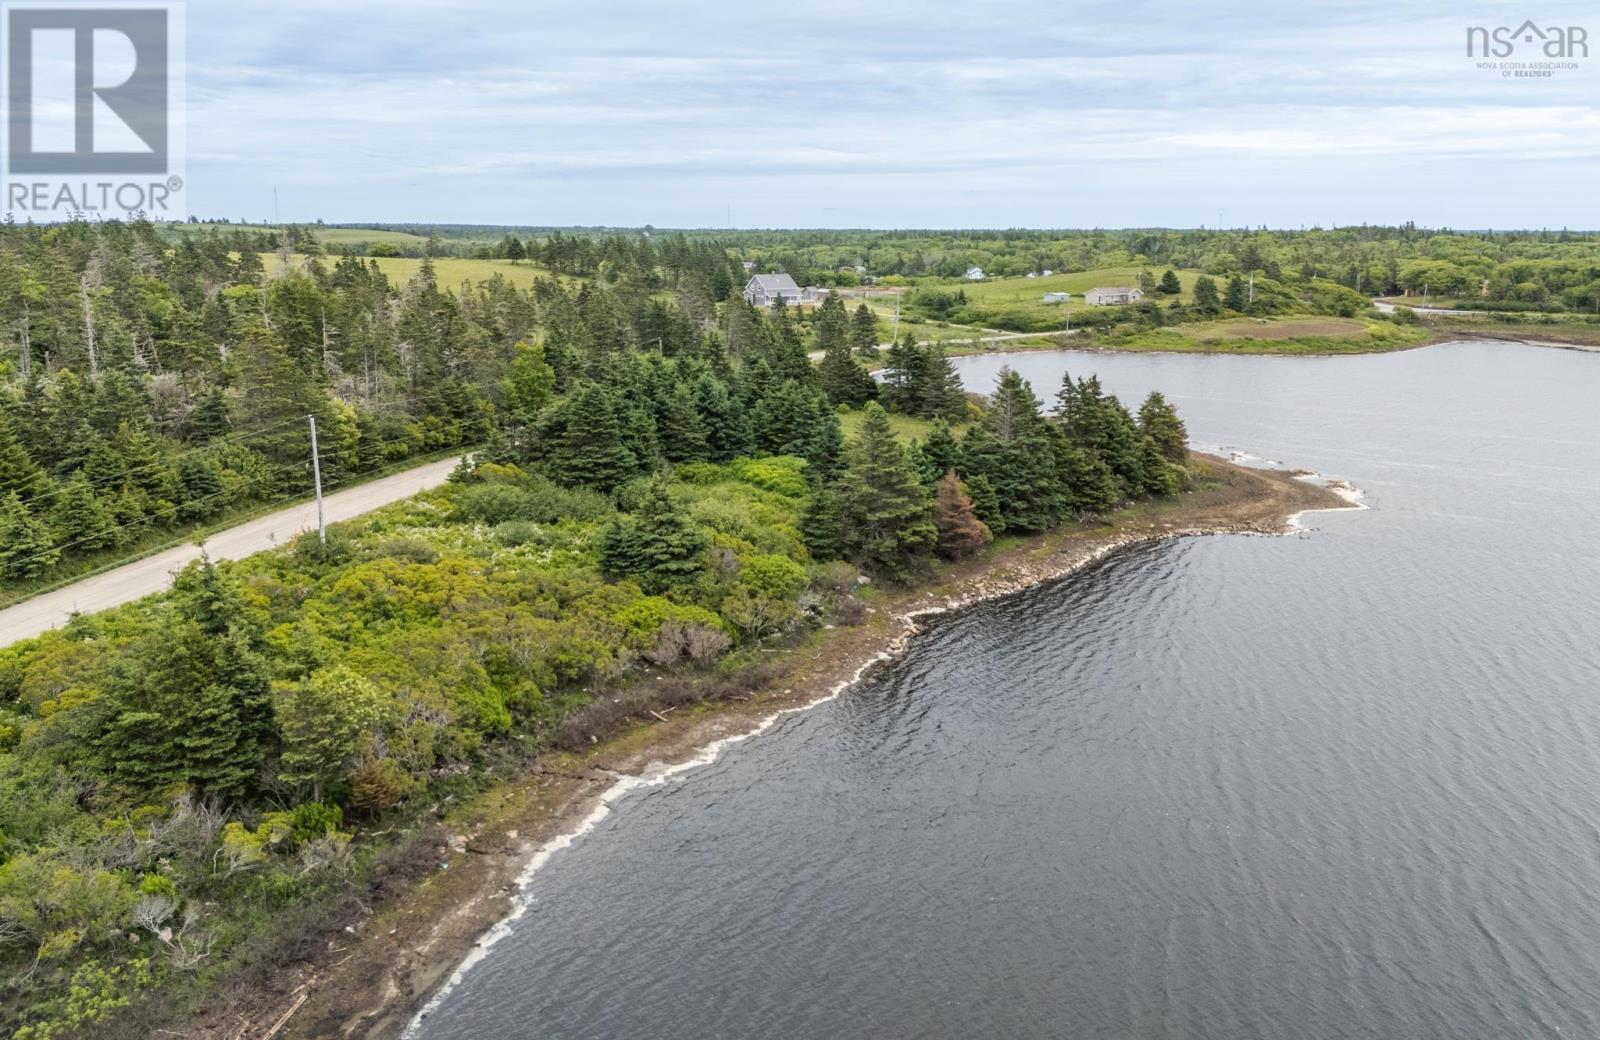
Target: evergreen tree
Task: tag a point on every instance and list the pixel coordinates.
(982, 460)
(938, 389)
(664, 549)
(727, 431)
(1206, 299)
(19, 474)
(902, 371)
(1169, 285)
(191, 704)
(940, 453)
(820, 524)
(582, 440)
(961, 533)
(679, 428)
(842, 378)
(201, 487)
(515, 250)
(1159, 421)
(1161, 477)
(78, 518)
(1024, 477)
(885, 513)
(1236, 298)
(26, 548)
(864, 333)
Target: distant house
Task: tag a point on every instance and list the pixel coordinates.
(763, 290)
(1033, 274)
(1057, 297)
(1115, 294)
(813, 294)
(748, 265)
(1046, 273)
(974, 274)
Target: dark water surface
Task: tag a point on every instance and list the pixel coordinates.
(1337, 785)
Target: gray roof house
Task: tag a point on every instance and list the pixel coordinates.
(763, 290)
(1098, 297)
(1057, 297)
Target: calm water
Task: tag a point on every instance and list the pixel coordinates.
(1338, 785)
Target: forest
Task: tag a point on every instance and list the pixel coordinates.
(658, 483)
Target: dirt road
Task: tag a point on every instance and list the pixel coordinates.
(154, 573)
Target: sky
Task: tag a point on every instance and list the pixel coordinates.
(885, 114)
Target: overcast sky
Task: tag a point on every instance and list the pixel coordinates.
(883, 114)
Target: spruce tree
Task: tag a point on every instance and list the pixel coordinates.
(672, 549)
(864, 333)
(1236, 298)
(727, 430)
(27, 549)
(191, 703)
(1206, 299)
(820, 524)
(1025, 476)
(842, 378)
(940, 453)
(961, 533)
(885, 512)
(1169, 286)
(901, 375)
(583, 440)
(679, 428)
(939, 389)
(1159, 421)
(78, 518)
(982, 460)
(19, 474)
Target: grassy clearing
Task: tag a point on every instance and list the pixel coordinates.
(1293, 335)
(1554, 328)
(1277, 328)
(450, 271)
(1029, 292)
(325, 235)
(906, 427)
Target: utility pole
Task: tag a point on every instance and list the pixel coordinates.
(894, 336)
(1252, 287)
(316, 474)
(1066, 309)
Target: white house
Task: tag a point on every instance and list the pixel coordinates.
(1057, 297)
(763, 290)
(1098, 297)
(813, 294)
(974, 274)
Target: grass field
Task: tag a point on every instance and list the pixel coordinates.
(450, 271)
(1017, 304)
(325, 235)
(1289, 335)
(906, 427)
(1029, 292)
(1276, 328)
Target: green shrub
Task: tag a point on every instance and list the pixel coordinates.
(777, 576)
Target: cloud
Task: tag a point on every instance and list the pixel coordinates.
(645, 112)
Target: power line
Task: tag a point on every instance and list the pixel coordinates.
(210, 445)
(175, 507)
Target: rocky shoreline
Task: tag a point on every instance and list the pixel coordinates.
(374, 976)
